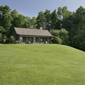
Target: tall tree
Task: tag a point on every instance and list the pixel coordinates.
(54, 19)
(80, 18)
(63, 14)
(33, 22)
(79, 40)
(75, 23)
(14, 15)
(5, 19)
(47, 19)
(20, 20)
(40, 20)
(27, 22)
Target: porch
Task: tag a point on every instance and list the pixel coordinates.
(34, 40)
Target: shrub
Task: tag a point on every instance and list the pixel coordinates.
(57, 40)
(17, 42)
(7, 41)
(62, 34)
(11, 39)
(0, 37)
(55, 32)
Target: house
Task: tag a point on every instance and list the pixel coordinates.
(26, 35)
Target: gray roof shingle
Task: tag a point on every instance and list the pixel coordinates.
(32, 32)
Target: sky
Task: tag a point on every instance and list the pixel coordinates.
(31, 8)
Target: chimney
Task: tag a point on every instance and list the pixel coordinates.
(40, 28)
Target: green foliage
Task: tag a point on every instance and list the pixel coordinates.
(57, 40)
(0, 37)
(47, 15)
(27, 22)
(79, 40)
(40, 20)
(62, 34)
(10, 40)
(5, 19)
(7, 41)
(33, 22)
(20, 20)
(2, 30)
(54, 19)
(14, 14)
(55, 32)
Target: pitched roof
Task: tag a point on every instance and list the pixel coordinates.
(32, 32)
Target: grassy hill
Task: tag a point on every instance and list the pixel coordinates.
(41, 64)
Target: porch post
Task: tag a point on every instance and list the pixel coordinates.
(39, 39)
(30, 39)
(44, 40)
(20, 39)
(48, 39)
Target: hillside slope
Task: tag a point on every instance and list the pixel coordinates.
(41, 64)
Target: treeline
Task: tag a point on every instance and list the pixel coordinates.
(71, 22)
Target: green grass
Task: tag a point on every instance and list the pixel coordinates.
(41, 64)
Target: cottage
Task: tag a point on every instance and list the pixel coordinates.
(26, 35)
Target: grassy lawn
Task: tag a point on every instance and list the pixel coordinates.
(41, 64)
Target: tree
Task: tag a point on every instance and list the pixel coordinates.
(63, 15)
(14, 15)
(27, 22)
(5, 19)
(55, 32)
(75, 23)
(54, 19)
(2, 32)
(40, 20)
(33, 22)
(80, 40)
(20, 20)
(30, 23)
(0, 37)
(47, 15)
(80, 18)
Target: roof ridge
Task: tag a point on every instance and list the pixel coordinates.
(30, 28)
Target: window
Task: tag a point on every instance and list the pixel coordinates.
(24, 39)
(37, 39)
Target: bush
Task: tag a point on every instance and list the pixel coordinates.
(17, 42)
(7, 41)
(57, 40)
(10, 40)
(62, 34)
(55, 32)
(0, 37)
